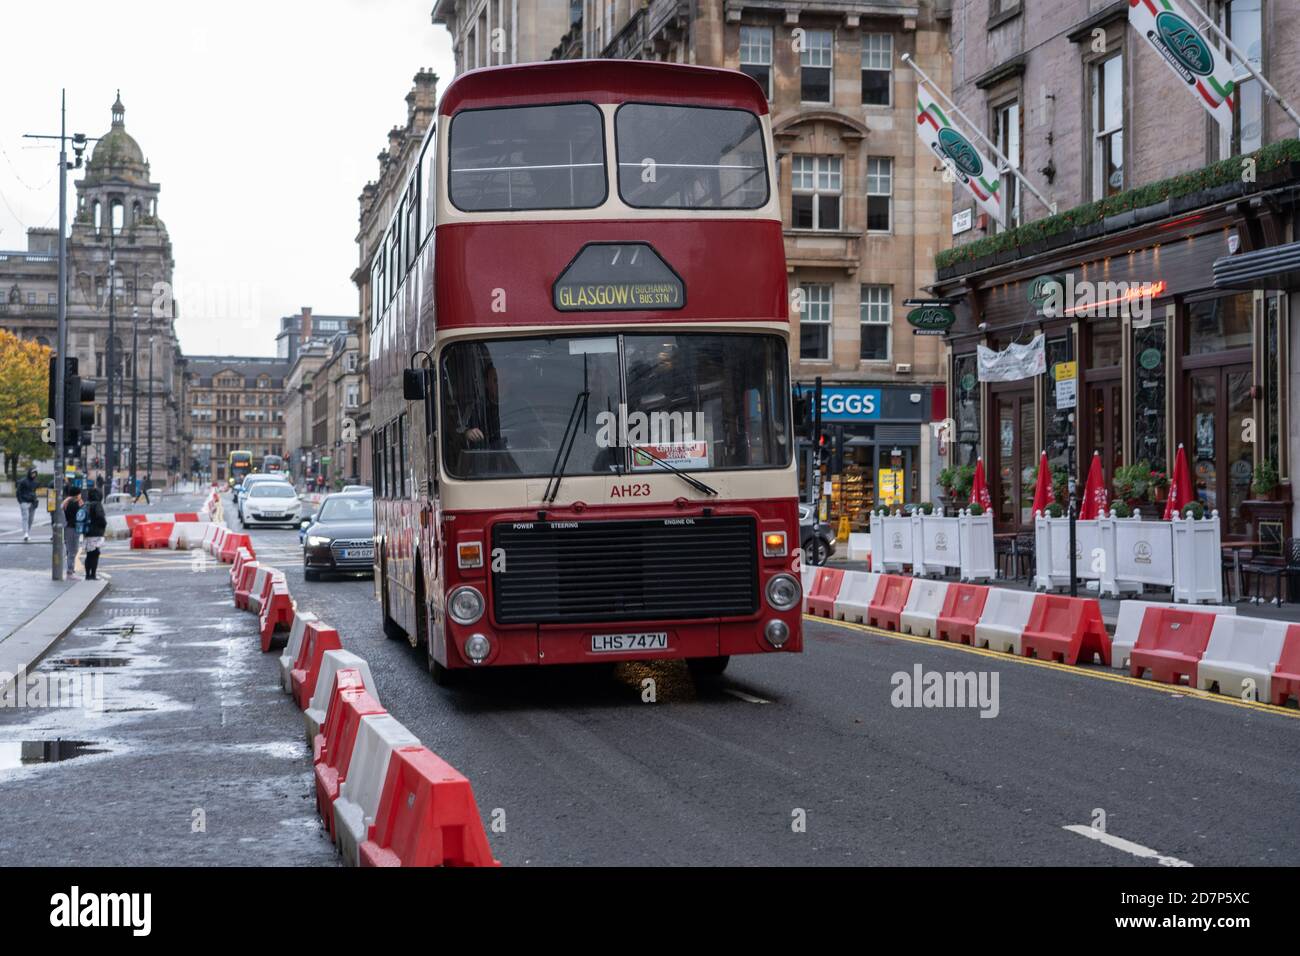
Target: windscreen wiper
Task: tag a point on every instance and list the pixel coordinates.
(566, 446)
(689, 479)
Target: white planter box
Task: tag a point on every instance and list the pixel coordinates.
(1197, 559)
(975, 540)
(937, 542)
(895, 544)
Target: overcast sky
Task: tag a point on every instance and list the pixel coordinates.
(261, 121)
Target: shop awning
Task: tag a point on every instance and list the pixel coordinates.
(1277, 267)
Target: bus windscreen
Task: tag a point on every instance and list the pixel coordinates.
(698, 402)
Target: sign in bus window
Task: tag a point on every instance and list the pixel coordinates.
(690, 157)
(527, 157)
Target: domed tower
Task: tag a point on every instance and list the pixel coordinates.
(117, 212)
(116, 188)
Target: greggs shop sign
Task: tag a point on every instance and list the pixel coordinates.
(849, 404)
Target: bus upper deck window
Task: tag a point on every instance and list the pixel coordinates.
(527, 157)
(690, 157)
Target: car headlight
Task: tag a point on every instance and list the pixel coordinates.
(465, 605)
(317, 540)
(783, 592)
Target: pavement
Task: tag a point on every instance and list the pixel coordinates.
(804, 759)
(37, 611)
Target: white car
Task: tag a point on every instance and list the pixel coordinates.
(270, 502)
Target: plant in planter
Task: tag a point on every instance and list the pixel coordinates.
(1194, 511)
(925, 508)
(1134, 484)
(976, 509)
(1266, 479)
(1121, 509)
(1054, 510)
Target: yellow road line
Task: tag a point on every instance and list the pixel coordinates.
(1116, 678)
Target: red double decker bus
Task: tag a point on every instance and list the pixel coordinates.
(583, 448)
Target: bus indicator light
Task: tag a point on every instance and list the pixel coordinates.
(774, 544)
(469, 555)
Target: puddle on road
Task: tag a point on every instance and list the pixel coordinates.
(67, 663)
(25, 753)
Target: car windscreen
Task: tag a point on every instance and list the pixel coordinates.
(270, 489)
(346, 509)
(690, 157)
(527, 157)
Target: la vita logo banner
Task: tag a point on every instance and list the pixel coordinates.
(1203, 69)
(968, 164)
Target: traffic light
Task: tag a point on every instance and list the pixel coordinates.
(78, 409)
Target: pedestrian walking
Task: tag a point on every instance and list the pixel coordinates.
(113, 485)
(99, 482)
(96, 525)
(74, 516)
(27, 501)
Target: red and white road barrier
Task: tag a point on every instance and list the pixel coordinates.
(1129, 624)
(363, 784)
(1241, 657)
(333, 662)
(384, 799)
(924, 604)
(426, 817)
(151, 534)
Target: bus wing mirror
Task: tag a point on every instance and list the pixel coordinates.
(413, 384)
(802, 411)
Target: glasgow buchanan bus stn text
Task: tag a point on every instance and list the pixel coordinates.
(619, 295)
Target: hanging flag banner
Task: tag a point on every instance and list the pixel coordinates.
(1204, 69)
(968, 164)
(1014, 363)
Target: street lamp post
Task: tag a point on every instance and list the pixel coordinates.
(79, 141)
(149, 460)
(135, 390)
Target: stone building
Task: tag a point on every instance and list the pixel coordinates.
(497, 32)
(115, 213)
(1154, 200)
(865, 206)
(376, 203)
(296, 331)
(233, 403)
(299, 440)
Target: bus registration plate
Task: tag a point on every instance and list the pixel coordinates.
(622, 643)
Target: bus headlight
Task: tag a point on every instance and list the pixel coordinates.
(783, 592)
(465, 605)
(777, 633)
(477, 648)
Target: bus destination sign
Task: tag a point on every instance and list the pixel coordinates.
(618, 276)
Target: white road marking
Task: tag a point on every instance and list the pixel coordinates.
(747, 698)
(1128, 846)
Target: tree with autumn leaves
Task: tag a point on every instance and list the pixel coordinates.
(24, 387)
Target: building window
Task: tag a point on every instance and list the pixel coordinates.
(876, 313)
(353, 397)
(815, 61)
(1107, 92)
(877, 68)
(1243, 24)
(817, 187)
(880, 188)
(756, 56)
(815, 322)
(966, 408)
(1006, 136)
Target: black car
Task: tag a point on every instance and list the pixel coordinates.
(340, 536)
(815, 537)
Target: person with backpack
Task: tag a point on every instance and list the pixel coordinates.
(96, 526)
(27, 501)
(74, 516)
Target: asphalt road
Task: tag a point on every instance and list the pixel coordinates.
(789, 760)
(588, 773)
